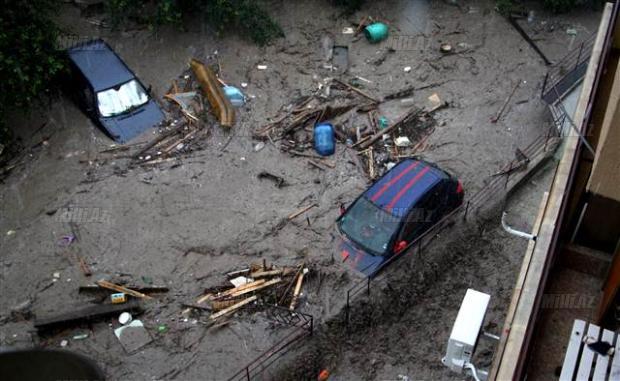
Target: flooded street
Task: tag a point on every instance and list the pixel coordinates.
(186, 224)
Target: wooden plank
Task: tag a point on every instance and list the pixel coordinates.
(233, 308)
(222, 108)
(587, 356)
(124, 290)
(259, 287)
(409, 115)
(602, 362)
(572, 352)
(240, 288)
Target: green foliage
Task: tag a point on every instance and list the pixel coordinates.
(559, 6)
(29, 61)
(244, 16)
(349, 5)
(504, 6)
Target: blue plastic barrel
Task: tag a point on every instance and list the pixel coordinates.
(324, 142)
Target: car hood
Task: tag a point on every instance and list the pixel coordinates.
(125, 127)
(358, 259)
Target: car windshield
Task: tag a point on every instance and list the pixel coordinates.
(369, 226)
(121, 99)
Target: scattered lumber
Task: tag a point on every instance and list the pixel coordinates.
(233, 308)
(142, 289)
(124, 290)
(300, 279)
(224, 111)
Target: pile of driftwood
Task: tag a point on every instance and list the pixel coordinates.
(256, 285)
(357, 124)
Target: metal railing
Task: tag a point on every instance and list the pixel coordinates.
(564, 74)
(303, 325)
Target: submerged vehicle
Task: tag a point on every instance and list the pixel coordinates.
(394, 211)
(109, 92)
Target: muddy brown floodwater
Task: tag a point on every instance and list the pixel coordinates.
(185, 225)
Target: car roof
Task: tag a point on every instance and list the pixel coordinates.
(399, 190)
(100, 64)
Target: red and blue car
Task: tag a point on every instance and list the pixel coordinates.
(398, 208)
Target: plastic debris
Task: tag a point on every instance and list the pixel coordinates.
(407, 69)
(66, 240)
(234, 95)
(240, 280)
(125, 318)
(402, 141)
(261, 67)
(376, 32)
(133, 336)
(118, 298)
(348, 30)
(259, 146)
(383, 122)
(571, 31)
(64, 343)
(81, 336)
(10, 232)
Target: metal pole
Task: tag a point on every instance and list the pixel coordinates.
(346, 312)
(466, 210)
(247, 373)
(542, 92)
(368, 287)
(579, 56)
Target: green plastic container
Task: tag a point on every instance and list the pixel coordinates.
(376, 32)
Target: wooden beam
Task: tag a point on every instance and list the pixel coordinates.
(233, 308)
(256, 288)
(124, 290)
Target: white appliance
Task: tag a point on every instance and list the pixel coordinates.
(465, 332)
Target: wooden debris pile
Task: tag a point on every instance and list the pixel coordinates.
(185, 109)
(256, 285)
(357, 123)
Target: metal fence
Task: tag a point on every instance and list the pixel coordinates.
(302, 324)
(567, 72)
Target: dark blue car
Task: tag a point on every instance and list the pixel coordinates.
(393, 212)
(110, 93)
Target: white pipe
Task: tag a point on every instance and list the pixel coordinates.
(474, 372)
(512, 231)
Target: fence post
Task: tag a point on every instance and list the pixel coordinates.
(346, 310)
(466, 210)
(544, 86)
(247, 373)
(579, 55)
(368, 288)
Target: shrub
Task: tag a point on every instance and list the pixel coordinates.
(245, 16)
(29, 60)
